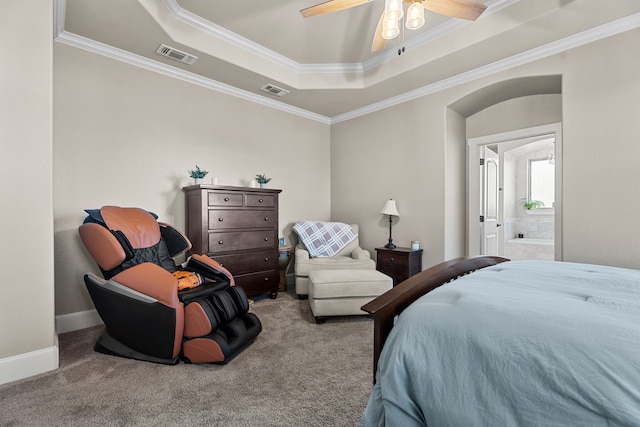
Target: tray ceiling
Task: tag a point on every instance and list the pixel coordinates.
(325, 61)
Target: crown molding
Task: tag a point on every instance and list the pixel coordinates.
(588, 36)
(208, 27)
(576, 40)
(59, 10)
(170, 71)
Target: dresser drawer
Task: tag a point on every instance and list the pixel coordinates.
(258, 283)
(242, 240)
(391, 260)
(229, 219)
(238, 227)
(225, 199)
(248, 262)
(260, 200)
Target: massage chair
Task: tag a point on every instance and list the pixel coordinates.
(152, 309)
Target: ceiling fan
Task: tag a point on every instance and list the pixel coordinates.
(388, 27)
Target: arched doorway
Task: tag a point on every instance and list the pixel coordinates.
(526, 115)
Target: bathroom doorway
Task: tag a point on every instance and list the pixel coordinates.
(514, 194)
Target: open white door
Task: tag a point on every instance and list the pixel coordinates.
(490, 202)
(485, 198)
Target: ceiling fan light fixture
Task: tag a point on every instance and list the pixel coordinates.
(390, 29)
(393, 10)
(415, 16)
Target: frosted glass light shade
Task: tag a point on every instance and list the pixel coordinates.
(415, 16)
(390, 29)
(393, 10)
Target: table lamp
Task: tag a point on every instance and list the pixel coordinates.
(391, 210)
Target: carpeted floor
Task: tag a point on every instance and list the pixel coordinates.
(296, 373)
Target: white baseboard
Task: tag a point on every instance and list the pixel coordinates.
(78, 320)
(25, 365)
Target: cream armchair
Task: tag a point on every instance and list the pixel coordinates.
(351, 257)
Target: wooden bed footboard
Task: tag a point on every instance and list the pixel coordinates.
(387, 306)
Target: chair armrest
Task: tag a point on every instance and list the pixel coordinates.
(360, 253)
(209, 268)
(152, 280)
(301, 254)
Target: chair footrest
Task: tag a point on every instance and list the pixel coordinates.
(224, 343)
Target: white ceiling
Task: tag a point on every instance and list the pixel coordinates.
(325, 61)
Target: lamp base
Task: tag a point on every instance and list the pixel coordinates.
(390, 245)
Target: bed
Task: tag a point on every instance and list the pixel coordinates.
(518, 343)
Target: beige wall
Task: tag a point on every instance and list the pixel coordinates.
(402, 153)
(454, 235)
(381, 156)
(127, 136)
(601, 149)
(26, 217)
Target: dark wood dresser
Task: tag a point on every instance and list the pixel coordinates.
(238, 227)
(399, 263)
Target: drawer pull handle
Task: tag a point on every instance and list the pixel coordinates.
(392, 259)
(220, 242)
(266, 239)
(266, 218)
(220, 219)
(266, 259)
(266, 279)
(226, 199)
(260, 200)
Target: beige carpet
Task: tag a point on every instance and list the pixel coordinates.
(296, 373)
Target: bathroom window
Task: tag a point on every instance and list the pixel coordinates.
(542, 181)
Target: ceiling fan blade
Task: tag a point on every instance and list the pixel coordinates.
(331, 6)
(463, 9)
(378, 41)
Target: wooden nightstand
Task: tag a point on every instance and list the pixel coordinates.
(399, 263)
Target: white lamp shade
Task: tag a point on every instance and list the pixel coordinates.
(390, 29)
(393, 10)
(390, 208)
(415, 16)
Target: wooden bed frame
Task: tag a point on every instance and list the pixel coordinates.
(387, 306)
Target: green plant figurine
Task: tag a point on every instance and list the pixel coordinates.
(262, 179)
(198, 173)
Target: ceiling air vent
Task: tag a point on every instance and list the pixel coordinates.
(274, 90)
(176, 54)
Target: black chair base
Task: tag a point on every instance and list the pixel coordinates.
(106, 344)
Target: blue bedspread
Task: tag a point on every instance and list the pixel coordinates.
(522, 343)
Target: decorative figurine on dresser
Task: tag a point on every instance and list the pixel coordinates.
(238, 227)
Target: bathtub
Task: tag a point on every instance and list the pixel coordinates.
(529, 248)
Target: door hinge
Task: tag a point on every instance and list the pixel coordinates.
(481, 218)
(481, 162)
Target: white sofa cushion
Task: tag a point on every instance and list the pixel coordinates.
(347, 283)
(334, 263)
